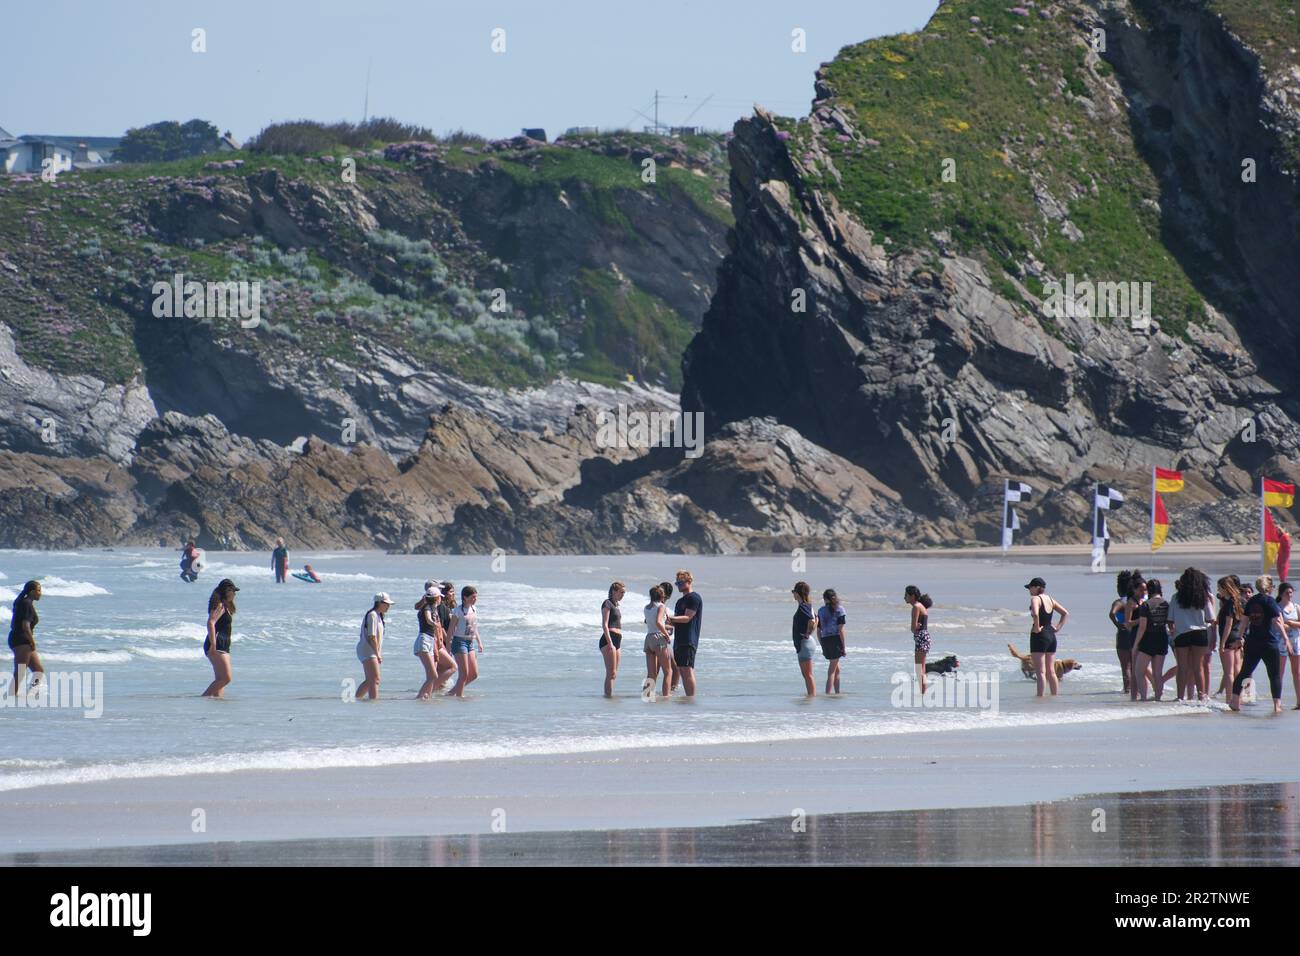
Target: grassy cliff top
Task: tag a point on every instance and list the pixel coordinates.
(1013, 100)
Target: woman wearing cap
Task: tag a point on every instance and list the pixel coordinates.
(221, 614)
(1042, 635)
(464, 629)
(370, 647)
(431, 644)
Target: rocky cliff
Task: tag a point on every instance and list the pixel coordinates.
(887, 293)
(1048, 242)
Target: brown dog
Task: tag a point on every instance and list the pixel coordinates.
(1063, 666)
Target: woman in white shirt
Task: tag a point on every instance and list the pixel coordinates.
(370, 648)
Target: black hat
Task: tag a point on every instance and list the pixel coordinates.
(1036, 583)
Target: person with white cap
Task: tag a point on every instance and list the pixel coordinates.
(431, 643)
(370, 647)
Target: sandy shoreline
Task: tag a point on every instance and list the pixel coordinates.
(691, 786)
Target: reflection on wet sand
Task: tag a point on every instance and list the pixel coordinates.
(1231, 825)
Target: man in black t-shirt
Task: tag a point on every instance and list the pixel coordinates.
(686, 620)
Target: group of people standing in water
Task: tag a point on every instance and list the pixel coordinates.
(1245, 625)
(1250, 626)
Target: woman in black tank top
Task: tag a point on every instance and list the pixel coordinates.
(1152, 643)
(1042, 635)
(221, 613)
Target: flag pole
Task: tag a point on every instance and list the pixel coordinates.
(1263, 545)
(1006, 486)
(1153, 507)
(1095, 486)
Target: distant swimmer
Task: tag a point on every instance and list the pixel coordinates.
(307, 574)
(191, 562)
(801, 630)
(611, 634)
(920, 628)
(830, 632)
(221, 615)
(280, 561)
(1042, 635)
(431, 644)
(22, 638)
(370, 648)
(464, 631)
(658, 659)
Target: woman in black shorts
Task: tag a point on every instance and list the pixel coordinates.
(221, 613)
(22, 638)
(1042, 635)
(1152, 643)
(611, 634)
(830, 631)
(1192, 615)
(1229, 625)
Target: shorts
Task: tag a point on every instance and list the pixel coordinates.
(1044, 642)
(426, 644)
(365, 652)
(13, 644)
(618, 641)
(223, 644)
(1232, 644)
(1153, 645)
(1199, 638)
(1124, 639)
(832, 648)
(462, 645)
(654, 643)
(684, 654)
(922, 640)
(806, 649)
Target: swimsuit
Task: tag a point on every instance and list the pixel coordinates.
(922, 636)
(1044, 642)
(615, 624)
(223, 635)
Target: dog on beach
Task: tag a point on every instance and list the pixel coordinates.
(1063, 666)
(944, 665)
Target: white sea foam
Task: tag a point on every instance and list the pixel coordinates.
(53, 586)
(893, 722)
(167, 653)
(83, 657)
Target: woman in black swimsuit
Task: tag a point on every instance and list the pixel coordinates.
(22, 638)
(221, 613)
(1042, 635)
(611, 634)
(920, 604)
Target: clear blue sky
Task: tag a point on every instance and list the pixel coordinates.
(97, 67)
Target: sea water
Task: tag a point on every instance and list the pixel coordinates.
(127, 615)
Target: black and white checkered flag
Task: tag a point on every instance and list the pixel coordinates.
(1018, 491)
(1108, 499)
(1100, 533)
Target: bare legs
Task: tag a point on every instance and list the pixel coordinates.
(26, 659)
(467, 664)
(1125, 656)
(806, 669)
(370, 686)
(611, 655)
(833, 676)
(920, 669)
(1045, 672)
(221, 673)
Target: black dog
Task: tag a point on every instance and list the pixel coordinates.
(944, 665)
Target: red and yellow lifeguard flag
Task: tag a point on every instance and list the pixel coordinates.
(1159, 523)
(1168, 481)
(1278, 494)
(1271, 540)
